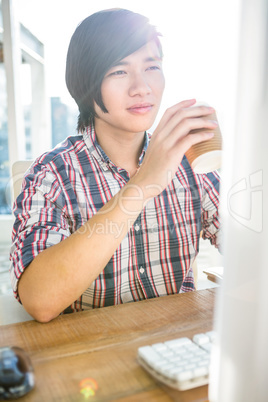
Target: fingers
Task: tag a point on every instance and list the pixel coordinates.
(192, 126)
(192, 139)
(174, 135)
(171, 111)
(184, 117)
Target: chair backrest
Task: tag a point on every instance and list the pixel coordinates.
(18, 170)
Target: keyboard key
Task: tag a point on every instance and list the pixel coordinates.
(207, 347)
(201, 339)
(148, 354)
(212, 336)
(159, 347)
(176, 343)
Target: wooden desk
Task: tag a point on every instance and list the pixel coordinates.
(102, 344)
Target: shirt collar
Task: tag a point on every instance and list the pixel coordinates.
(98, 153)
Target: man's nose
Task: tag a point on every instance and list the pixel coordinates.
(139, 85)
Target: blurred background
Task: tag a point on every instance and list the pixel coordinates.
(200, 42)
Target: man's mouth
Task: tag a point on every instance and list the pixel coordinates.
(140, 108)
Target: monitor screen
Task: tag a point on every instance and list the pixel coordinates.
(240, 359)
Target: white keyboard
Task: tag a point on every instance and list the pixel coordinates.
(180, 363)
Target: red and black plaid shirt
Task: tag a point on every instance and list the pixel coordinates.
(68, 185)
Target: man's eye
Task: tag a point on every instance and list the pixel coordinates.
(118, 72)
(153, 68)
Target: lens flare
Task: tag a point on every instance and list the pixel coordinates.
(88, 387)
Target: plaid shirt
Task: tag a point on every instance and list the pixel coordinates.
(68, 185)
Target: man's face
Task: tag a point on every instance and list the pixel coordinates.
(132, 92)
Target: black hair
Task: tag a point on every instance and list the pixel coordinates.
(98, 43)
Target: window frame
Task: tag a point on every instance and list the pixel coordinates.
(20, 44)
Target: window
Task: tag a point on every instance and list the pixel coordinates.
(4, 160)
(42, 121)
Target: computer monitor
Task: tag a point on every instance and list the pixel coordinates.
(240, 359)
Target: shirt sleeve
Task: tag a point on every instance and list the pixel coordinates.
(210, 218)
(40, 219)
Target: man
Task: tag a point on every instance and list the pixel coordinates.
(113, 215)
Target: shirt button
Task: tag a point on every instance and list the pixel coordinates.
(137, 227)
(141, 270)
